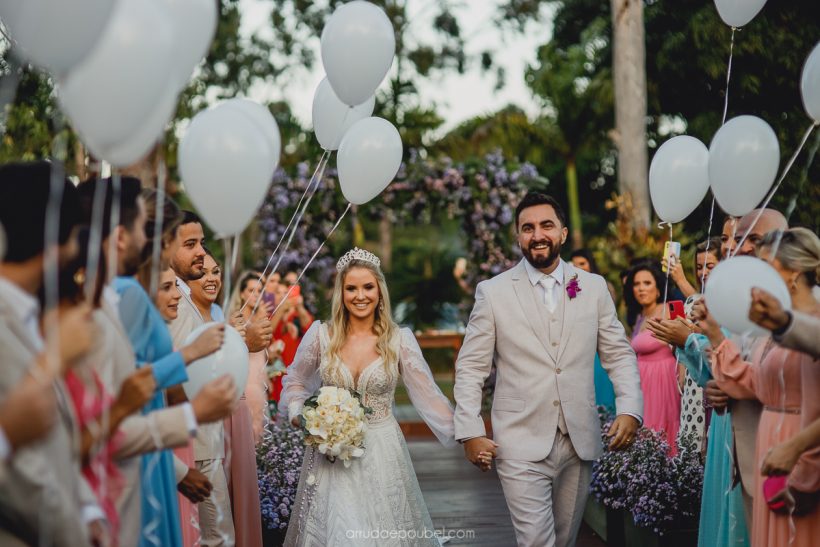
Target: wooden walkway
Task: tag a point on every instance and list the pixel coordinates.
(466, 503)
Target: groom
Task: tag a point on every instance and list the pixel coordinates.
(541, 323)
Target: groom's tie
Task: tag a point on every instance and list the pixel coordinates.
(548, 282)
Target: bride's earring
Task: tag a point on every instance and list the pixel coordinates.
(381, 306)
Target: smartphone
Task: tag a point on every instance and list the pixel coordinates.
(670, 248)
(295, 291)
(269, 298)
(676, 309)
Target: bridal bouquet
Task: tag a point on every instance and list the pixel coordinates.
(334, 422)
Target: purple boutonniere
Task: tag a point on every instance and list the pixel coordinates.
(573, 288)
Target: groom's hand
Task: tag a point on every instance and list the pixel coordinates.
(622, 431)
(477, 449)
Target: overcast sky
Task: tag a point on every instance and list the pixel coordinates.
(457, 97)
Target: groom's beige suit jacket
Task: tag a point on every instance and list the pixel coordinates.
(543, 366)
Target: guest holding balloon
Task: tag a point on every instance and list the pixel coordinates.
(661, 376)
(240, 446)
(152, 343)
(604, 392)
(246, 295)
(773, 376)
(722, 517)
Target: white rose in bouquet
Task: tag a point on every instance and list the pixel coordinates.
(334, 422)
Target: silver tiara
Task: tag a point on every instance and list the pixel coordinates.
(357, 254)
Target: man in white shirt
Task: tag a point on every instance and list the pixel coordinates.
(43, 499)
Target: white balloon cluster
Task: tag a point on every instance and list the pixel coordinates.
(118, 88)
(358, 46)
(227, 158)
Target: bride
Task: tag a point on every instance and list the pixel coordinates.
(377, 500)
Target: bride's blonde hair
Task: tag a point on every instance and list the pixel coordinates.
(383, 325)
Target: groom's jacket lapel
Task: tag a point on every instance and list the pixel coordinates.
(529, 304)
(570, 309)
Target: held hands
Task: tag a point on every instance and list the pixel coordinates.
(480, 451)
(767, 312)
(622, 432)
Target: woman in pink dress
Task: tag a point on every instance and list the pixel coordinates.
(240, 446)
(661, 376)
(773, 376)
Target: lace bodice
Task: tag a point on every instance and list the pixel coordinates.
(376, 383)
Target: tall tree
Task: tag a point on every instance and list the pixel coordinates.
(629, 79)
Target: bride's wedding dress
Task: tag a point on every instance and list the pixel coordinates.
(376, 501)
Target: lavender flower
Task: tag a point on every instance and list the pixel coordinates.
(278, 462)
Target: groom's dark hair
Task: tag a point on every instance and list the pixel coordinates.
(538, 198)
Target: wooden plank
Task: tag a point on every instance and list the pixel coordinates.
(467, 504)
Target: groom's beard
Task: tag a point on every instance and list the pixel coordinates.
(541, 262)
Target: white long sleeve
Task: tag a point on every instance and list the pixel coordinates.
(303, 377)
(431, 404)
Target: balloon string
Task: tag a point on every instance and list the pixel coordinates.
(322, 161)
(321, 246)
(722, 121)
(228, 253)
(668, 271)
(159, 221)
(728, 76)
(313, 185)
(708, 242)
(95, 237)
(777, 185)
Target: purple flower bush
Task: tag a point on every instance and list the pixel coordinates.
(278, 464)
(482, 195)
(661, 492)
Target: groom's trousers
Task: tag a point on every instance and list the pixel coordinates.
(546, 498)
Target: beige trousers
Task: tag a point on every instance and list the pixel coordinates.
(215, 517)
(546, 498)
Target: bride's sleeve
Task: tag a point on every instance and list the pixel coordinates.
(303, 377)
(431, 404)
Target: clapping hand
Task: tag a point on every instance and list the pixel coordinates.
(671, 331)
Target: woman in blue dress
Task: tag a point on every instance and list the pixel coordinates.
(152, 344)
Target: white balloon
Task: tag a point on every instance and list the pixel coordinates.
(729, 292)
(232, 358)
(142, 140)
(679, 177)
(368, 159)
(358, 45)
(225, 164)
(264, 121)
(743, 160)
(332, 118)
(810, 84)
(110, 94)
(736, 13)
(56, 34)
(194, 28)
